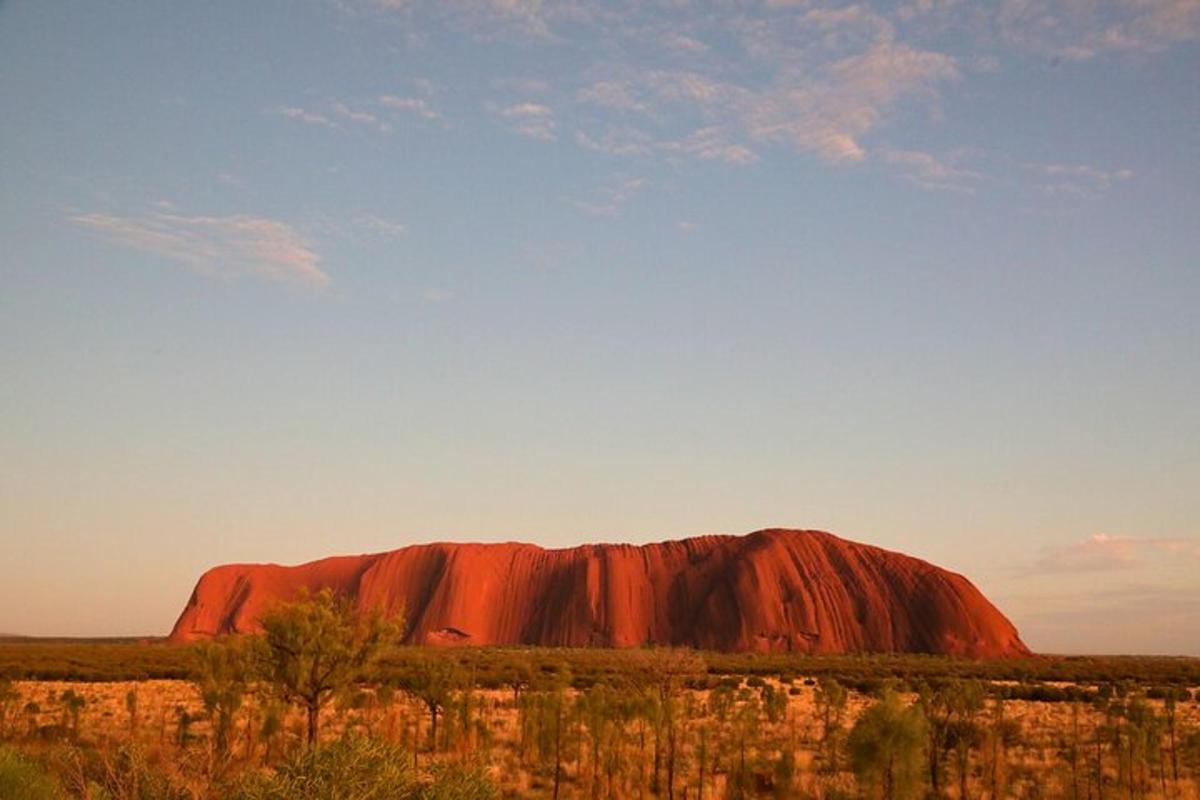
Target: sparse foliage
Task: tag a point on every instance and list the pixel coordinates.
(222, 676)
(316, 646)
(885, 747)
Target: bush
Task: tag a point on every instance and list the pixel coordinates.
(351, 768)
(21, 779)
(458, 782)
(886, 746)
(130, 772)
(357, 768)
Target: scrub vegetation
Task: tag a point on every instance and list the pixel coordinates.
(325, 705)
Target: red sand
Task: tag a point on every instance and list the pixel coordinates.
(805, 591)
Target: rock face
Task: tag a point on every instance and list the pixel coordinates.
(771, 590)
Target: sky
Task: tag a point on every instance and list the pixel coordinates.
(281, 280)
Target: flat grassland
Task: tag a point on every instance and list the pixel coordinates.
(632, 723)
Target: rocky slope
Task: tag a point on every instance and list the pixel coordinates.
(804, 591)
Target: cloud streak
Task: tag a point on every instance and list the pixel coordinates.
(930, 172)
(228, 247)
(378, 114)
(534, 120)
(611, 197)
(1103, 552)
(304, 115)
(737, 83)
(412, 105)
(1080, 31)
(1081, 180)
(818, 82)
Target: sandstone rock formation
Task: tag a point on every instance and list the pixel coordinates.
(805, 591)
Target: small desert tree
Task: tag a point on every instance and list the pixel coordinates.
(1189, 752)
(596, 706)
(131, 707)
(72, 705)
(885, 748)
(9, 699)
(1170, 718)
(32, 710)
(316, 646)
(665, 672)
(1143, 740)
(950, 708)
(831, 698)
(433, 681)
(271, 728)
(222, 671)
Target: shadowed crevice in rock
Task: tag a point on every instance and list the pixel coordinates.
(778, 590)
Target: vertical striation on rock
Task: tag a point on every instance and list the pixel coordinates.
(772, 590)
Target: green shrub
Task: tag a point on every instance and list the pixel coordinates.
(351, 768)
(459, 782)
(358, 768)
(886, 747)
(22, 779)
(130, 772)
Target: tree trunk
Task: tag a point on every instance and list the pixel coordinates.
(934, 768)
(671, 761)
(641, 758)
(1174, 757)
(657, 758)
(416, 738)
(579, 743)
(557, 747)
(741, 779)
(249, 754)
(595, 765)
(314, 712)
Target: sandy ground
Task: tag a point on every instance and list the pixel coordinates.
(106, 719)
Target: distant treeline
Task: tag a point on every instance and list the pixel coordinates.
(1034, 678)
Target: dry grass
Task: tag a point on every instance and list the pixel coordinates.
(1035, 767)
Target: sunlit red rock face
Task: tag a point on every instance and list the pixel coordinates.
(804, 591)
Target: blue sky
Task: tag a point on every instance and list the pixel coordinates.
(294, 279)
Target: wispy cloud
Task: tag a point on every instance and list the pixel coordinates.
(378, 114)
(683, 44)
(1102, 552)
(930, 172)
(1079, 31)
(832, 116)
(412, 105)
(303, 115)
(611, 94)
(710, 144)
(380, 226)
(1076, 179)
(818, 82)
(1099, 617)
(787, 75)
(618, 140)
(534, 120)
(609, 198)
(227, 247)
(360, 117)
